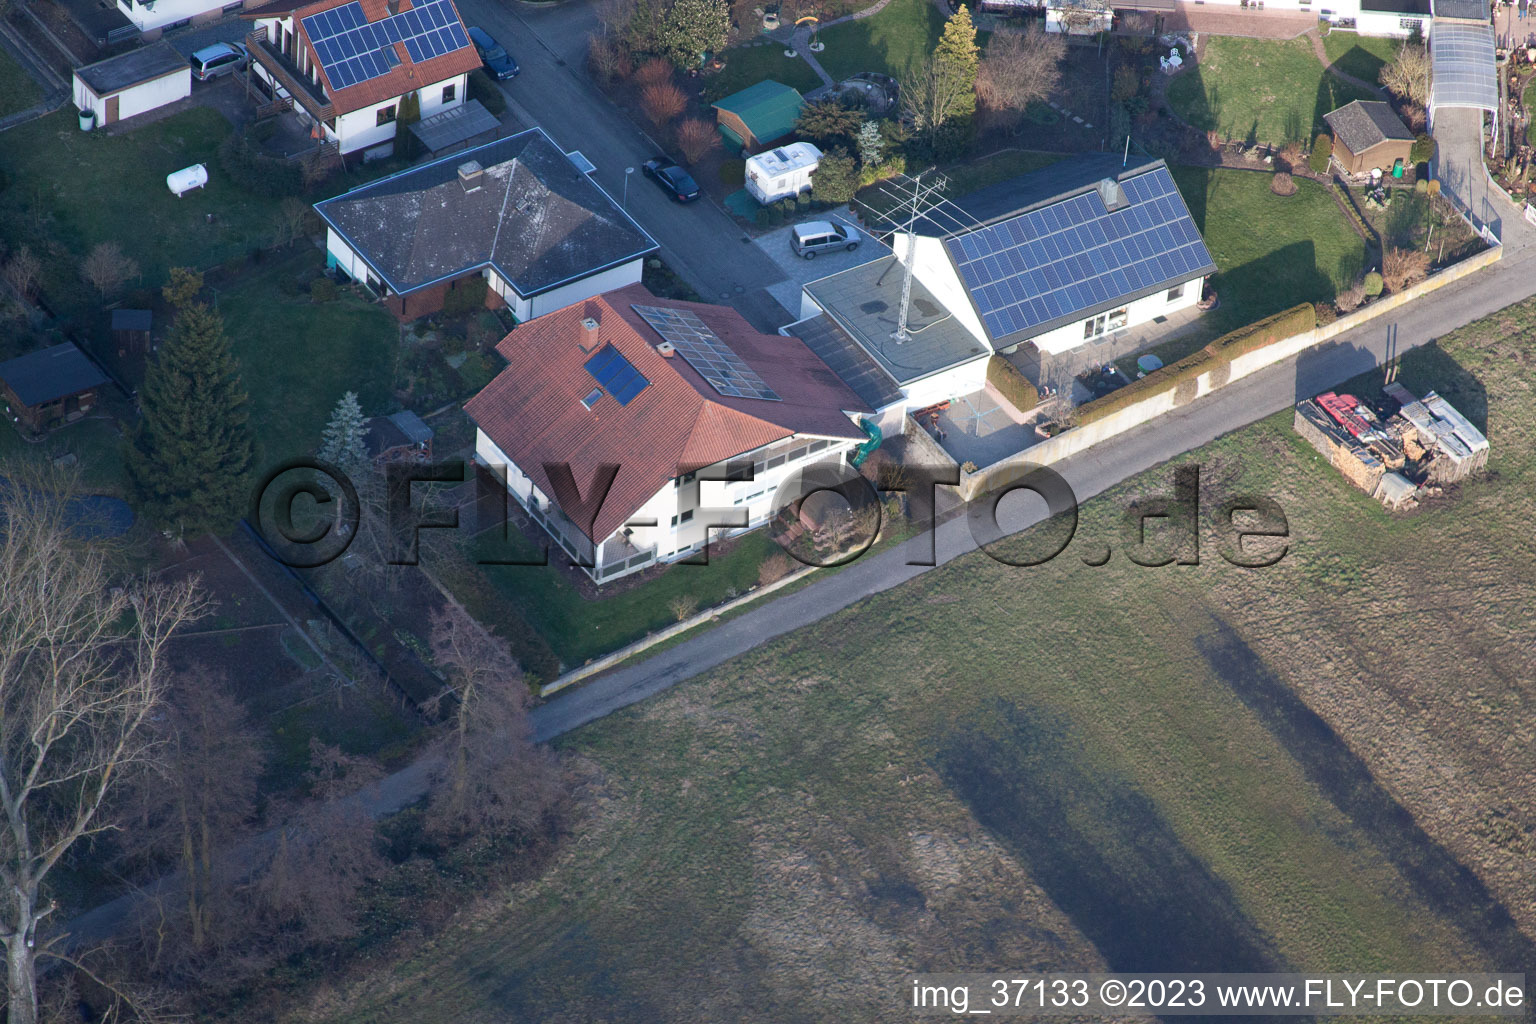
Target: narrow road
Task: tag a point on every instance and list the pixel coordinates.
(698, 240)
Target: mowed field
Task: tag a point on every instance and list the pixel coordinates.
(1324, 765)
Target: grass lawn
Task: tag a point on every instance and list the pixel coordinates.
(577, 629)
(17, 89)
(298, 357)
(1063, 767)
(96, 441)
(748, 65)
(893, 42)
(1272, 251)
(1526, 99)
(1259, 89)
(1361, 56)
(76, 189)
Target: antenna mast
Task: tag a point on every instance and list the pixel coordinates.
(920, 193)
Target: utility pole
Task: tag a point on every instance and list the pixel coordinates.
(914, 195)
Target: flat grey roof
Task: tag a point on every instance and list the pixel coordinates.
(836, 347)
(866, 301)
(133, 68)
(1462, 10)
(533, 215)
(1465, 74)
(454, 125)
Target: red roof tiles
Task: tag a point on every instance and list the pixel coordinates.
(676, 424)
(403, 78)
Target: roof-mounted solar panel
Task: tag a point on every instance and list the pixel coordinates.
(710, 357)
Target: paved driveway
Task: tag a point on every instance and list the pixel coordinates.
(798, 270)
(699, 240)
(1459, 166)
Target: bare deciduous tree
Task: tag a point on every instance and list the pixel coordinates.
(936, 95)
(1083, 17)
(203, 794)
(695, 138)
(1019, 68)
(292, 220)
(607, 57)
(654, 72)
(662, 102)
(323, 853)
(108, 268)
(81, 676)
(1407, 75)
(495, 780)
(22, 271)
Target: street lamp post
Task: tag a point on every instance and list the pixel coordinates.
(625, 201)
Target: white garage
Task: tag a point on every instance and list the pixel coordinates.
(132, 83)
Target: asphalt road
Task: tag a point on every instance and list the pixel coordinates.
(698, 240)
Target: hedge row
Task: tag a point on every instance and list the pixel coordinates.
(1263, 333)
(256, 172)
(1011, 384)
(1216, 358)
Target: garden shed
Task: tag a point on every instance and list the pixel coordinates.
(1368, 135)
(758, 116)
(49, 386)
(133, 83)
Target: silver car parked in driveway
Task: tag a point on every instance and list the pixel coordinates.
(816, 236)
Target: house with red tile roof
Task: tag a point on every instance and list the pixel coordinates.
(634, 428)
(347, 64)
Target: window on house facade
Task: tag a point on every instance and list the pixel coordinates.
(1104, 323)
(449, 92)
(1175, 293)
(684, 480)
(386, 115)
(683, 517)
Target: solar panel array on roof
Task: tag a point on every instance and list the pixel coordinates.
(1067, 257)
(615, 374)
(714, 360)
(351, 50)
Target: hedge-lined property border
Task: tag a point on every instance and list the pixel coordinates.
(1180, 377)
(1011, 384)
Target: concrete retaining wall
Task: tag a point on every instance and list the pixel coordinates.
(1072, 441)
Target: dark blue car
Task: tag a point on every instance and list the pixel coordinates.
(493, 55)
(678, 183)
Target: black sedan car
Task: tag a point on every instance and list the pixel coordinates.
(493, 55)
(677, 183)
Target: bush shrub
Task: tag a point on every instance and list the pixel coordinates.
(733, 172)
(466, 296)
(1282, 184)
(1011, 384)
(1373, 285)
(1434, 186)
(1423, 149)
(322, 289)
(255, 171)
(1327, 313)
(1421, 185)
(1322, 151)
(483, 89)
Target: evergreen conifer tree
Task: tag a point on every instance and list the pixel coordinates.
(191, 458)
(344, 442)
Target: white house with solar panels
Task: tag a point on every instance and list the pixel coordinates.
(345, 65)
(1069, 266)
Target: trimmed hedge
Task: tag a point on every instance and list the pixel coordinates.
(1216, 358)
(1322, 150)
(1012, 384)
(1168, 378)
(1264, 332)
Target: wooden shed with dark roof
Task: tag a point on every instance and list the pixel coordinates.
(1367, 134)
(50, 386)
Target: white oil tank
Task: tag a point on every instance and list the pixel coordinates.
(186, 179)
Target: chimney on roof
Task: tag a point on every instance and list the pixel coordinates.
(1112, 195)
(394, 7)
(667, 349)
(470, 173)
(588, 339)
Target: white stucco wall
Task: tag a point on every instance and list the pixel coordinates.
(360, 128)
(172, 12)
(136, 99)
(584, 288)
(933, 267)
(964, 379)
(1141, 311)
